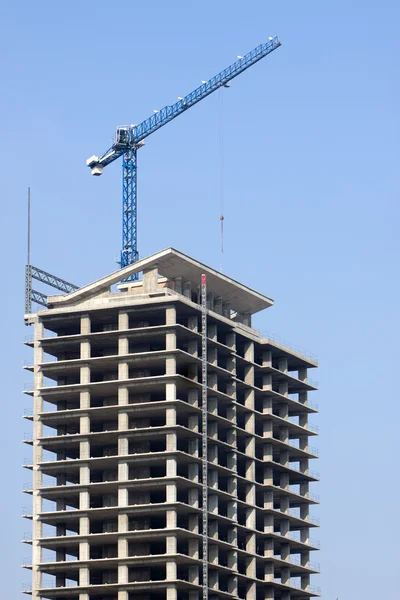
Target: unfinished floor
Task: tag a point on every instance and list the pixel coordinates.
(116, 443)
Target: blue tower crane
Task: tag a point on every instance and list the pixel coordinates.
(130, 138)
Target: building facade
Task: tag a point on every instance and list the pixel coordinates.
(117, 443)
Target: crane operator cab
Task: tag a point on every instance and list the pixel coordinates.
(121, 137)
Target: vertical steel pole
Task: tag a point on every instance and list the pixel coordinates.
(204, 412)
(28, 270)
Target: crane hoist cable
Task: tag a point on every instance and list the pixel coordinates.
(221, 169)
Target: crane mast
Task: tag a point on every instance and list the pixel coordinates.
(130, 138)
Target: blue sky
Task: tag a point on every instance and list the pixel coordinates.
(311, 191)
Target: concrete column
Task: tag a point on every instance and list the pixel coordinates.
(123, 345)
(170, 416)
(267, 358)
(249, 351)
(170, 391)
(193, 347)
(268, 476)
(171, 467)
(283, 388)
(251, 518)
(213, 580)
(303, 374)
(251, 591)
(268, 428)
(193, 397)
(170, 315)
(212, 356)
(123, 320)
(85, 324)
(84, 578)
(171, 493)
(212, 331)
(268, 523)
(85, 374)
(249, 398)
(285, 576)
(303, 397)
(213, 381)
(283, 365)
(150, 280)
(285, 552)
(269, 499)
(171, 593)
(170, 341)
(269, 571)
(267, 383)
(249, 375)
(284, 458)
(123, 370)
(84, 474)
(84, 449)
(85, 349)
(213, 554)
(193, 423)
(84, 551)
(284, 481)
(269, 548)
(193, 323)
(84, 399)
(170, 365)
(233, 585)
(84, 423)
(171, 570)
(285, 527)
(84, 526)
(269, 593)
(171, 441)
(305, 582)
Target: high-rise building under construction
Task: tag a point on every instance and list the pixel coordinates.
(122, 456)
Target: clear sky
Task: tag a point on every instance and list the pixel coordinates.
(311, 188)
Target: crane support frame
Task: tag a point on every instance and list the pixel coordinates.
(53, 281)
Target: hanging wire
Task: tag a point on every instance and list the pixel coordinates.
(221, 167)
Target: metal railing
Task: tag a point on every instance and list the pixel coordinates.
(296, 349)
(314, 589)
(312, 496)
(311, 519)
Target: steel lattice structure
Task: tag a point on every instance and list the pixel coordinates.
(130, 138)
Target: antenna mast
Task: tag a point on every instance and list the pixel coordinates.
(28, 270)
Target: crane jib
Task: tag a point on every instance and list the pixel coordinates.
(166, 114)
